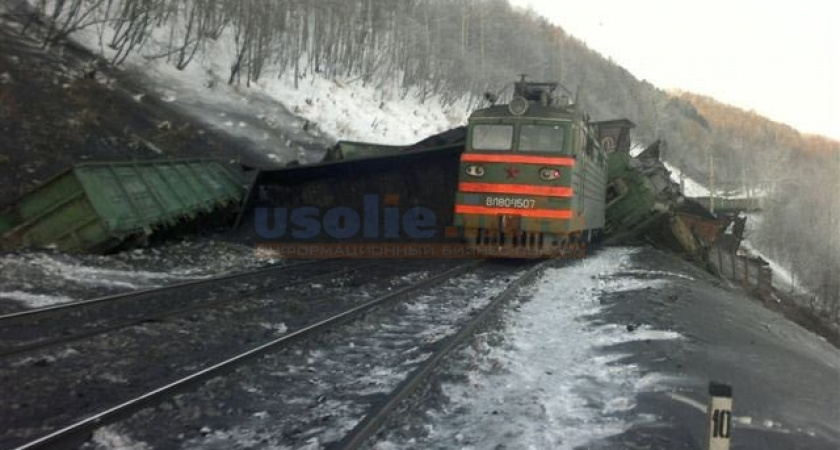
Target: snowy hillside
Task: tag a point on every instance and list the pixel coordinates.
(694, 188)
(272, 113)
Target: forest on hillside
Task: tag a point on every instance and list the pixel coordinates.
(800, 177)
(456, 49)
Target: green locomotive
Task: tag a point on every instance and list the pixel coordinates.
(533, 176)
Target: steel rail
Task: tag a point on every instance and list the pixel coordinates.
(374, 420)
(66, 339)
(78, 432)
(38, 313)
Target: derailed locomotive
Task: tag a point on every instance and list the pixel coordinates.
(533, 176)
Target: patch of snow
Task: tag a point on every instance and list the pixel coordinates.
(636, 149)
(28, 273)
(782, 278)
(32, 300)
(48, 359)
(645, 333)
(99, 276)
(112, 378)
(652, 382)
(744, 420)
(279, 328)
(108, 438)
(692, 187)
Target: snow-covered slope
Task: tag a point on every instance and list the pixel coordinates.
(285, 122)
(782, 278)
(693, 188)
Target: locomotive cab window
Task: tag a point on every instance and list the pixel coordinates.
(492, 137)
(542, 138)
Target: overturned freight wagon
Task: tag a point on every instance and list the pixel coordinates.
(640, 192)
(644, 204)
(98, 207)
(344, 150)
(364, 187)
(347, 150)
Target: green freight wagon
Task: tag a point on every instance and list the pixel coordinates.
(630, 198)
(639, 193)
(643, 202)
(345, 150)
(97, 207)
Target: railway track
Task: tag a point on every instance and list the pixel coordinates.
(408, 331)
(381, 412)
(42, 328)
(58, 385)
(39, 313)
(76, 433)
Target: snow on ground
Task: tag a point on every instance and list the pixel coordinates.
(38, 279)
(350, 111)
(782, 278)
(72, 271)
(35, 300)
(552, 384)
(275, 116)
(693, 188)
(110, 437)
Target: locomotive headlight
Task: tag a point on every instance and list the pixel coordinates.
(549, 173)
(475, 171)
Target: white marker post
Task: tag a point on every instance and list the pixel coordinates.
(719, 428)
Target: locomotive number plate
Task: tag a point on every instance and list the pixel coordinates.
(510, 202)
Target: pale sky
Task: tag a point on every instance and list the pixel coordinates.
(781, 59)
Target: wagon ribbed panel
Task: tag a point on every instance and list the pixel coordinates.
(95, 205)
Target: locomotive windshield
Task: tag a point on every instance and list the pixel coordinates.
(492, 137)
(542, 138)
